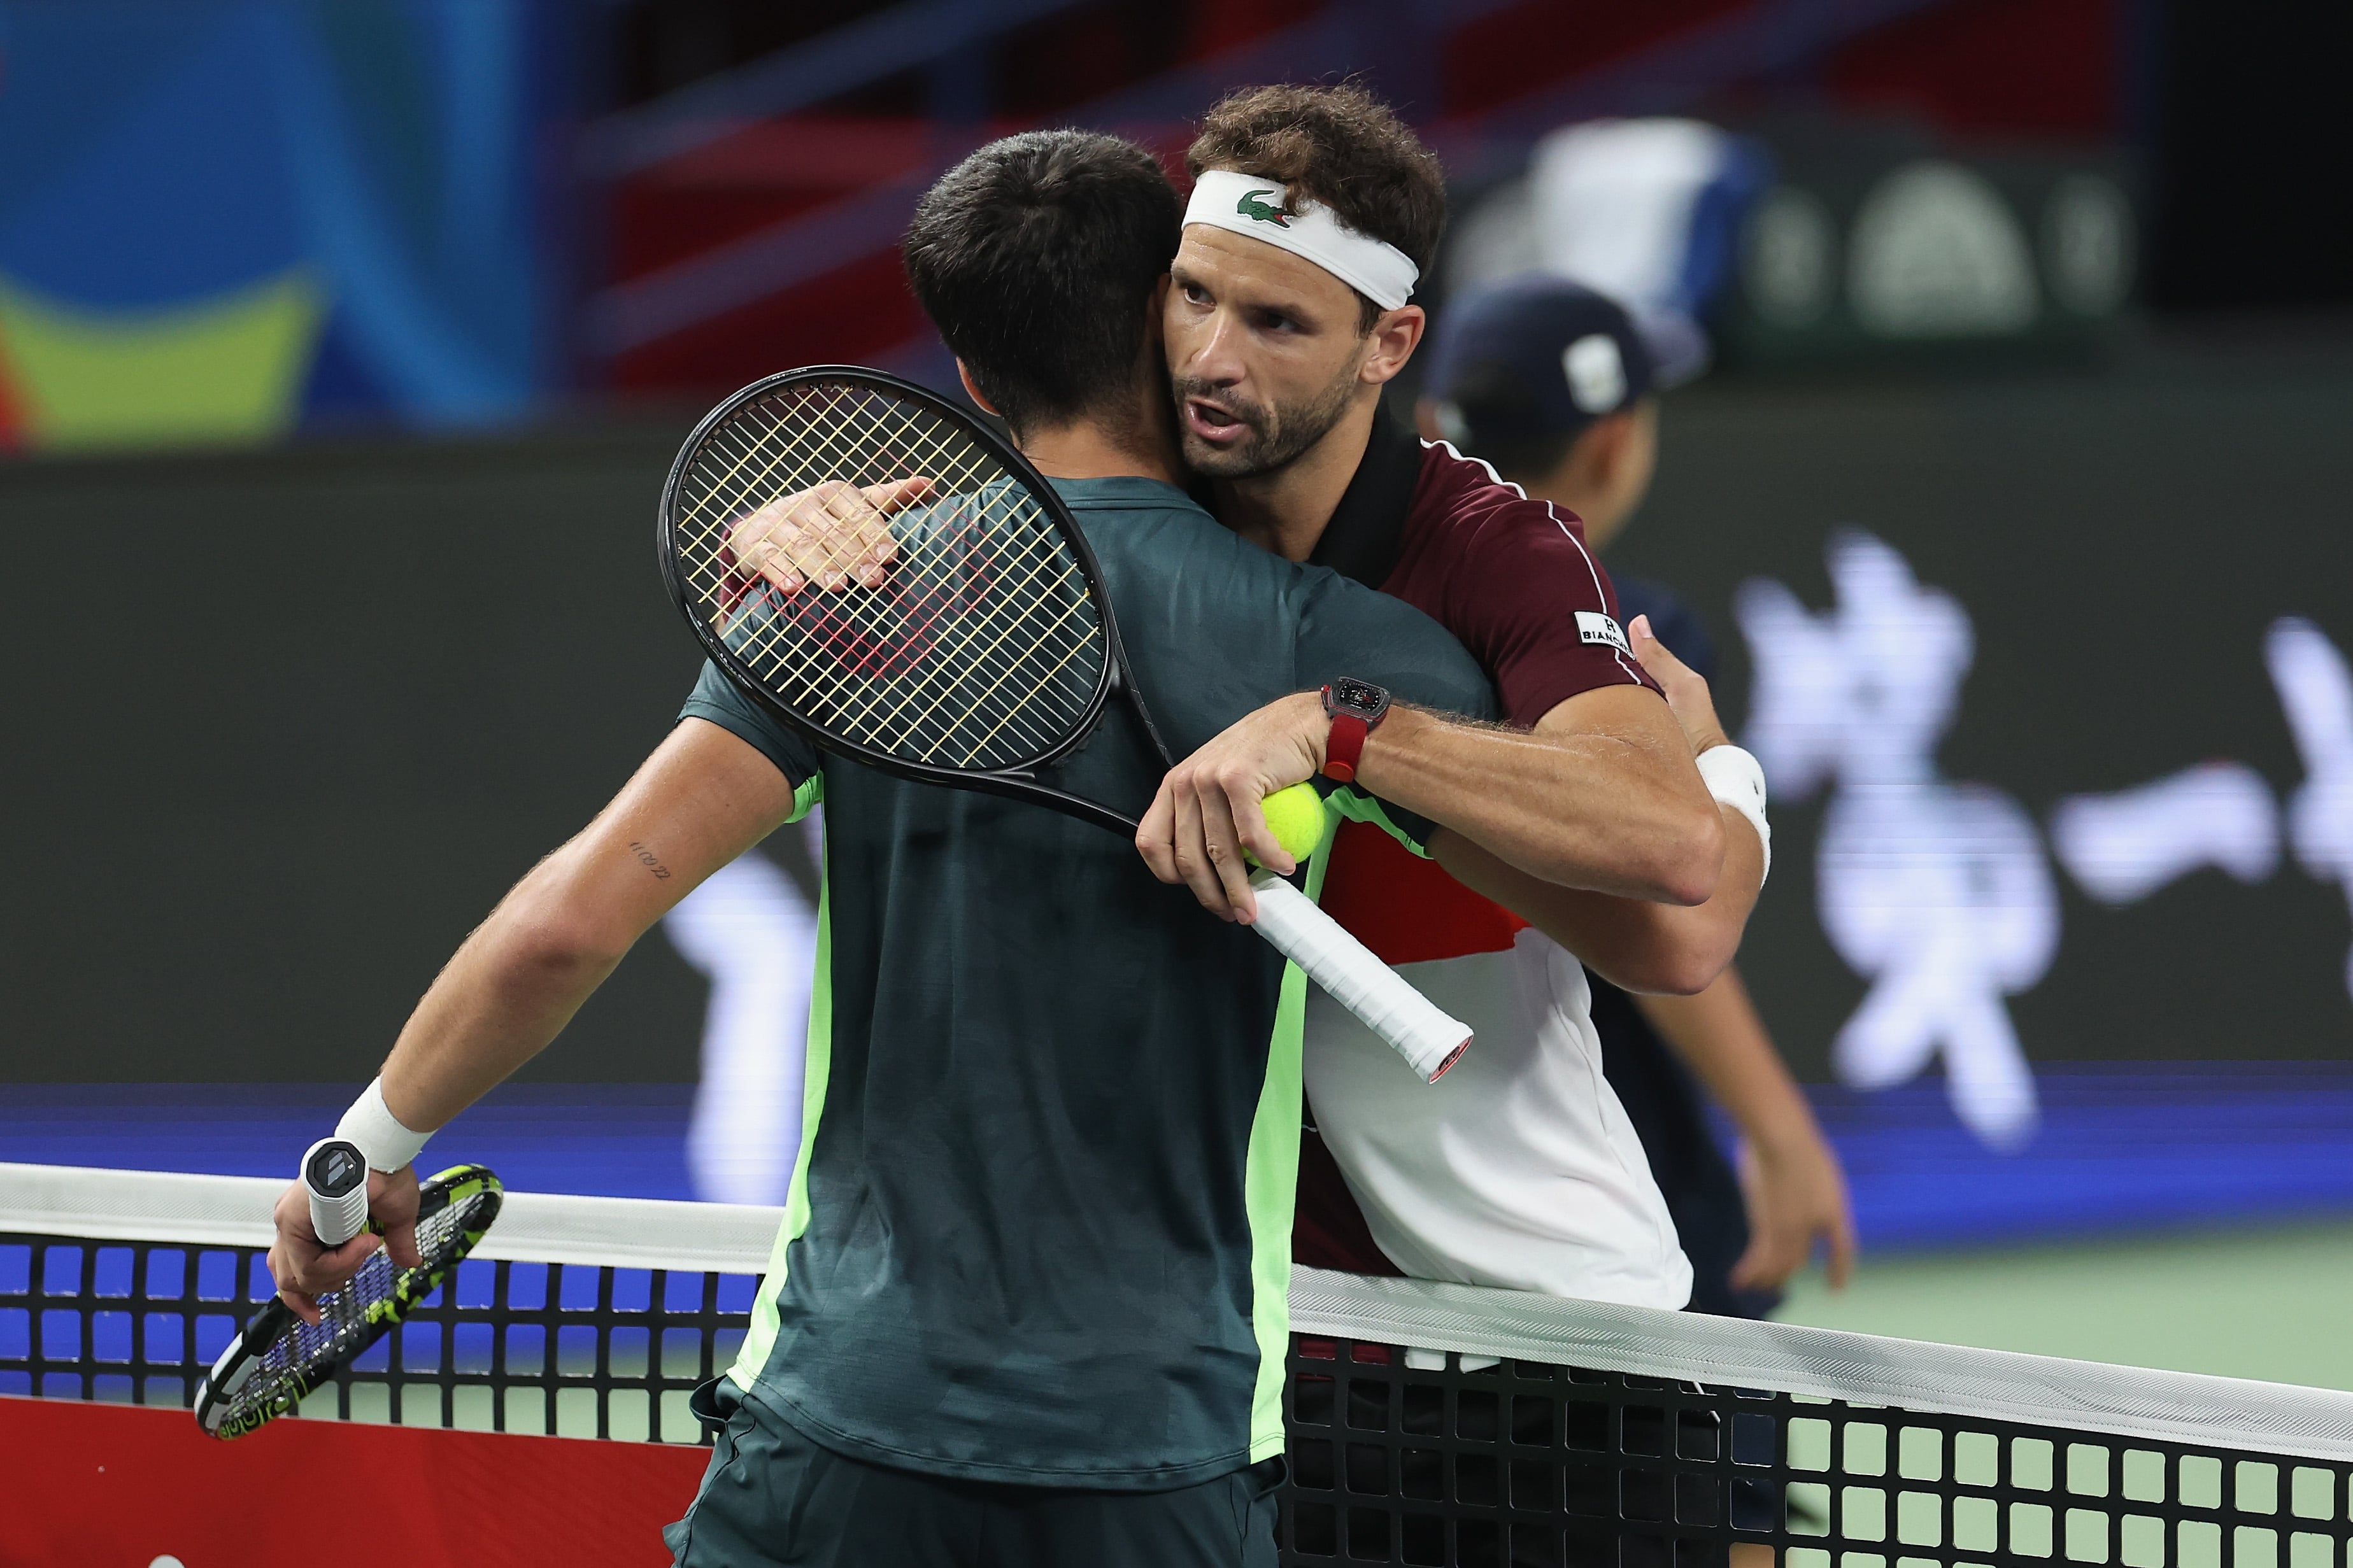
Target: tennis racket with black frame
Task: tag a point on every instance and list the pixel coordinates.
(987, 653)
(278, 1359)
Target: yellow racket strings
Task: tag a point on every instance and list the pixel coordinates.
(981, 649)
(765, 455)
(939, 717)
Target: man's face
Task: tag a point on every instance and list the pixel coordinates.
(1264, 352)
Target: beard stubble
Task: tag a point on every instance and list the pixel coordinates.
(1278, 433)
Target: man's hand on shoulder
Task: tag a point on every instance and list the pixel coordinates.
(1208, 810)
(1694, 706)
(1688, 696)
(305, 1270)
(828, 534)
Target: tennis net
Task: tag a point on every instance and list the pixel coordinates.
(1429, 1424)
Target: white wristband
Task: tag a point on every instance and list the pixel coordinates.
(1737, 779)
(371, 1124)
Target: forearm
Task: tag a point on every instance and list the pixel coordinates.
(1795, 1194)
(700, 800)
(1602, 795)
(508, 992)
(1719, 1036)
(1618, 811)
(1638, 944)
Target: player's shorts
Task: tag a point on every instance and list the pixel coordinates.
(773, 1498)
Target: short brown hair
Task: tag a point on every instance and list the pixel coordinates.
(1341, 148)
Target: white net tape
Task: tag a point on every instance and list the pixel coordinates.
(1862, 1369)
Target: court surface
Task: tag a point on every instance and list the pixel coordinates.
(2268, 1303)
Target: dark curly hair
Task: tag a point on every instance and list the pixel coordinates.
(1339, 147)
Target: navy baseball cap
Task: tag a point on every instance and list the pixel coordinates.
(1538, 357)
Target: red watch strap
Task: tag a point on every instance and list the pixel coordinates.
(1345, 745)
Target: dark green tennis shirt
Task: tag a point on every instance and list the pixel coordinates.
(1040, 1227)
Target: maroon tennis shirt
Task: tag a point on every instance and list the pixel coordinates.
(1513, 580)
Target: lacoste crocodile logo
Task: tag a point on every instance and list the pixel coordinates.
(1257, 211)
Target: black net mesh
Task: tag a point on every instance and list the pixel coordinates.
(1397, 1457)
(551, 1348)
(1519, 1464)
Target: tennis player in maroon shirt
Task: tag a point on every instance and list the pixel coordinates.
(1280, 339)
(1313, 211)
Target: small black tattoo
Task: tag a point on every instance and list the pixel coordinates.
(649, 860)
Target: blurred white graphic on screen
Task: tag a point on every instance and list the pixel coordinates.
(2122, 848)
(1936, 892)
(750, 931)
(2316, 691)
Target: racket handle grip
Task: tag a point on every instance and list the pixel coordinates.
(1426, 1038)
(335, 1176)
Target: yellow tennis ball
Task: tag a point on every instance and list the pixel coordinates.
(1297, 816)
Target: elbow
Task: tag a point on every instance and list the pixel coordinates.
(1673, 968)
(1691, 860)
(548, 938)
(1689, 974)
(566, 952)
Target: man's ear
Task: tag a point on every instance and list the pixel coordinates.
(1391, 343)
(973, 391)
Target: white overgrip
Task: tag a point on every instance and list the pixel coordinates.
(1428, 1039)
(334, 1177)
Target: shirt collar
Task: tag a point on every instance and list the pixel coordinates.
(1366, 532)
(1117, 491)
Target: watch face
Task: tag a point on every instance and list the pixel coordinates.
(1357, 697)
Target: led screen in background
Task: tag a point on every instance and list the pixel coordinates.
(2049, 675)
(289, 743)
(2050, 682)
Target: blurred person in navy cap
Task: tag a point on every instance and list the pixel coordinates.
(1557, 387)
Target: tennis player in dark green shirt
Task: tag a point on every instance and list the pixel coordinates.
(1027, 1305)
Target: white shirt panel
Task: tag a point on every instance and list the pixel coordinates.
(1518, 1168)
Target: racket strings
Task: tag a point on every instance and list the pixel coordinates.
(936, 458)
(751, 434)
(983, 649)
(1000, 628)
(725, 506)
(1004, 705)
(916, 609)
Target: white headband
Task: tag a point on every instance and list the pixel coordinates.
(1261, 209)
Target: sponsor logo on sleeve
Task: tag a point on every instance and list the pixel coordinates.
(1593, 627)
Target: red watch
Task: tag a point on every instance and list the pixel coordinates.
(1356, 708)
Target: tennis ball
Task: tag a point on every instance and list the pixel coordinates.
(1297, 816)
